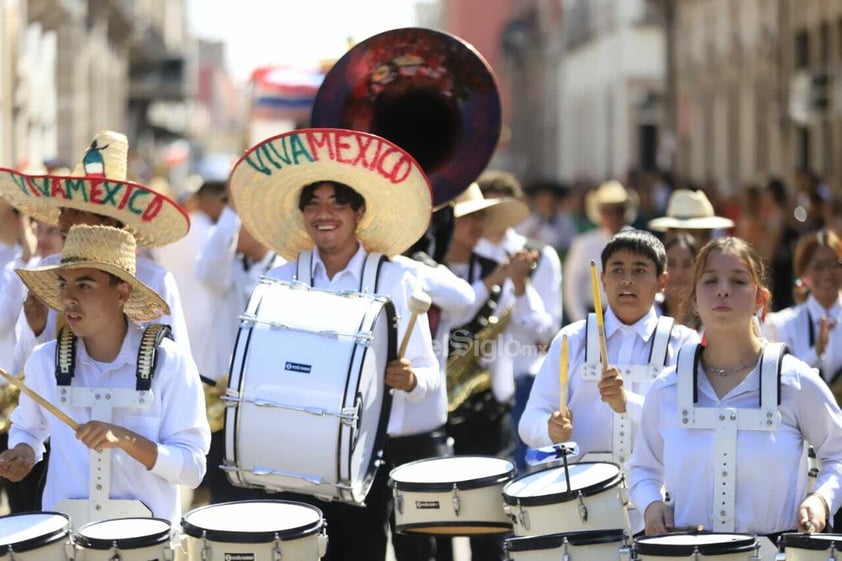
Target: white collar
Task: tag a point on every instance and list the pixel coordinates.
(644, 327)
(354, 267)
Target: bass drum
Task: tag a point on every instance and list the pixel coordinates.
(36, 536)
(308, 371)
(583, 496)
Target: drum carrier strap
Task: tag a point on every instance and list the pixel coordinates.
(622, 429)
(728, 421)
(368, 280)
(147, 355)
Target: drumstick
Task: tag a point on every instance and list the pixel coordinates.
(600, 321)
(563, 374)
(419, 303)
(40, 400)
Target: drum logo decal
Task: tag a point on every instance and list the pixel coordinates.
(294, 367)
(239, 557)
(427, 505)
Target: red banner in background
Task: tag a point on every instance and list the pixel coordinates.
(284, 92)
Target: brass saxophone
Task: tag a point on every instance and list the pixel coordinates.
(9, 395)
(466, 376)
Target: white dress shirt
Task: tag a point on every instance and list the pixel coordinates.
(545, 284)
(578, 291)
(12, 295)
(176, 422)
(592, 418)
(798, 327)
(409, 414)
(770, 475)
(148, 272)
(230, 281)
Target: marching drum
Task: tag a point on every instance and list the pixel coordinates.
(541, 502)
(127, 539)
(264, 529)
(457, 495)
(680, 545)
(590, 545)
(811, 547)
(36, 536)
(308, 370)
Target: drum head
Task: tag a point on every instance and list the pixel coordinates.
(126, 533)
(811, 541)
(252, 521)
(441, 474)
(684, 544)
(32, 530)
(549, 486)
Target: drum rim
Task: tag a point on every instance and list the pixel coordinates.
(746, 543)
(566, 496)
(39, 541)
(132, 542)
(503, 527)
(554, 540)
(444, 486)
(234, 536)
(809, 541)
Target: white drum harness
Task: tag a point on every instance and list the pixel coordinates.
(102, 402)
(368, 280)
(640, 373)
(727, 421)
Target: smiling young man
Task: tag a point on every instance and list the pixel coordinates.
(150, 433)
(604, 406)
(327, 200)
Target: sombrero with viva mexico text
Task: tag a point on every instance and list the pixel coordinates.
(267, 181)
(99, 184)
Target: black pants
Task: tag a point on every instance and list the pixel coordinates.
(25, 495)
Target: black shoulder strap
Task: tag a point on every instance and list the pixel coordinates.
(65, 356)
(147, 355)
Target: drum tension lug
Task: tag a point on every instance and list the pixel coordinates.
(565, 555)
(756, 556)
(399, 502)
(583, 510)
(276, 549)
(457, 502)
(625, 550)
(522, 515)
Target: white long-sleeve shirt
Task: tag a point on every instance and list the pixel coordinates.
(545, 283)
(770, 476)
(224, 275)
(12, 296)
(409, 415)
(149, 273)
(798, 327)
(176, 422)
(592, 418)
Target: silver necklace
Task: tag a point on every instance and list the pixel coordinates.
(725, 372)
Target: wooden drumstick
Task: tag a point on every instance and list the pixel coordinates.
(600, 321)
(40, 400)
(419, 303)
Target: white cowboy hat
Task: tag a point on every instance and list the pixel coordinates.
(98, 185)
(611, 193)
(103, 248)
(689, 210)
(266, 184)
(501, 213)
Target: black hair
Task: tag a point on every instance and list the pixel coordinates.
(344, 194)
(683, 239)
(640, 242)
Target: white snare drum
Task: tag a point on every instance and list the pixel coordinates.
(35, 536)
(589, 545)
(458, 495)
(130, 539)
(542, 503)
(308, 369)
(255, 530)
(679, 546)
(809, 547)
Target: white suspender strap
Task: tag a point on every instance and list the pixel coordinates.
(661, 341)
(371, 270)
(304, 267)
(592, 367)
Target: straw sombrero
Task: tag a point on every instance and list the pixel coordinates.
(611, 193)
(98, 184)
(97, 247)
(501, 213)
(267, 181)
(689, 210)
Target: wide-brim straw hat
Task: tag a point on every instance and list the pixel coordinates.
(98, 184)
(267, 181)
(689, 210)
(103, 248)
(611, 193)
(500, 213)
